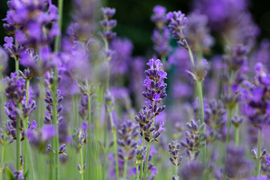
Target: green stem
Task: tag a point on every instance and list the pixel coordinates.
(148, 150)
(90, 132)
(55, 122)
(236, 136)
(137, 172)
(51, 156)
(258, 171)
(18, 140)
(209, 154)
(31, 161)
(81, 152)
(60, 18)
(2, 162)
(176, 169)
(106, 117)
(229, 119)
(115, 145)
(25, 124)
(200, 91)
(189, 50)
(125, 168)
(54, 90)
(105, 146)
(141, 170)
(17, 66)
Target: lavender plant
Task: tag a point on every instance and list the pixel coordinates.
(77, 72)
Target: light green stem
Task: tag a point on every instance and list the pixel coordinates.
(200, 91)
(258, 165)
(18, 140)
(229, 119)
(17, 66)
(55, 122)
(31, 161)
(209, 154)
(2, 162)
(25, 124)
(236, 136)
(106, 117)
(125, 168)
(115, 145)
(176, 169)
(148, 150)
(141, 170)
(137, 172)
(90, 132)
(81, 152)
(51, 157)
(54, 90)
(105, 146)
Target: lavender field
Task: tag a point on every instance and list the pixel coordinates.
(77, 104)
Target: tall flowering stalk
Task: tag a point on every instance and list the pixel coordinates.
(54, 90)
(178, 22)
(15, 92)
(154, 92)
(107, 24)
(80, 140)
(109, 101)
(175, 159)
(127, 134)
(161, 34)
(257, 109)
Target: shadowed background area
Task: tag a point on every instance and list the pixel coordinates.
(133, 18)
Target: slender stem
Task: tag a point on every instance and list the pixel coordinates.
(176, 169)
(106, 116)
(60, 18)
(90, 132)
(141, 169)
(236, 136)
(2, 162)
(189, 50)
(115, 145)
(17, 66)
(51, 156)
(55, 122)
(18, 140)
(258, 170)
(25, 124)
(209, 154)
(54, 90)
(200, 91)
(137, 172)
(125, 168)
(105, 146)
(81, 152)
(148, 150)
(31, 161)
(229, 119)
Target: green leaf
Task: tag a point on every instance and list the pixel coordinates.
(9, 174)
(26, 174)
(101, 145)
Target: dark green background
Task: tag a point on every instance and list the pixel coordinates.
(133, 18)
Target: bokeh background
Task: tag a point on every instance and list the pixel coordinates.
(133, 19)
